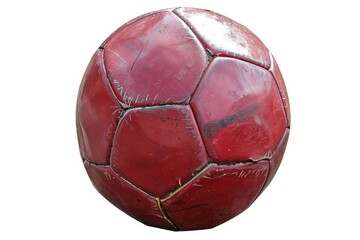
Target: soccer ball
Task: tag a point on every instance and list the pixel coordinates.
(182, 118)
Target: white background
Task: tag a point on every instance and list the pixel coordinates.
(44, 190)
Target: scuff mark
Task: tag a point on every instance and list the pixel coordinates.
(153, 102)
(212, 128)
(116, 54)
(207, 177)
(136, 58)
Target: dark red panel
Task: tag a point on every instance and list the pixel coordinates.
(155, 60)
(97, 112)
(276, 157)
(218, 194)
(225, 37)
(274, 69)
(125, 196)
(239, 111)
(158, 148)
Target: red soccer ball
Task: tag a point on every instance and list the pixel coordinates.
(182, 118)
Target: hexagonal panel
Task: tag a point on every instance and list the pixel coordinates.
(155, 60)
(216, 195)
(97, 113)
(126, 196)
(239, 111)
(158, 148)
(225, 37)
(275, 70)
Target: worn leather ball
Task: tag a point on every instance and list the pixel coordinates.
(182, 118)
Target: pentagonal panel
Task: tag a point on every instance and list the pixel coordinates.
(155, 60)
(225, 37)
(126, 196)
(158, 148)
(275, 70)
(97, 113)
(239, 111)
(218, 194)
(276, 157)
